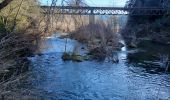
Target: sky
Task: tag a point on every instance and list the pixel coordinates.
(99, 3)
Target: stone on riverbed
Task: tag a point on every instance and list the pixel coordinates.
(77, 58)
(73, 57)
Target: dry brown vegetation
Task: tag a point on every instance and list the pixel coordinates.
(68, 23)
(96, 33)
(101, 39)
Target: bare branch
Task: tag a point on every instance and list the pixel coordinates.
(4, 3)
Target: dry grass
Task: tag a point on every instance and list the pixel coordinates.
(95, 32)
(100, 39)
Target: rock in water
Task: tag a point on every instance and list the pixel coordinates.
(77, 58)
(66, 56)
(72, 57)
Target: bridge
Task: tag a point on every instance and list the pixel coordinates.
(91, 11)
(77, 10)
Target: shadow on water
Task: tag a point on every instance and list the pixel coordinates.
(92, 80)
(150, 56)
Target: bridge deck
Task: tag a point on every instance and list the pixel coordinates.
(72, 10)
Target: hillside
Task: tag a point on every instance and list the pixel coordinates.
(154, 28)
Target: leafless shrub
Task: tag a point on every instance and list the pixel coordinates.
(100, 38)
(98, 32)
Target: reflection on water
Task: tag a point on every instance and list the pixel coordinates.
(90, 80)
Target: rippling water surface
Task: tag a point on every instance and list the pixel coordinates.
(91, 80)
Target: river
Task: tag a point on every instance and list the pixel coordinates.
(92, 80)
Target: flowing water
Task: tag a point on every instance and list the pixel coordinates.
(92, 80)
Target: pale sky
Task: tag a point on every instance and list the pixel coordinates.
(99, 3)
(106, 2)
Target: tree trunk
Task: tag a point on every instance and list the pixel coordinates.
(4, 3)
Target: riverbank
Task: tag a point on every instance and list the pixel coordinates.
(156, 31)
(14, 50)
(20, 23)
(155, 28)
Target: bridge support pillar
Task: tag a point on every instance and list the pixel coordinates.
(91, 19)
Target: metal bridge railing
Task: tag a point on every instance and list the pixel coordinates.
(76, 10)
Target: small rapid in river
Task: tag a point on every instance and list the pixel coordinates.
(91, 80)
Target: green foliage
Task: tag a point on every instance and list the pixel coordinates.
(161, 23)
(15, 30)
(165, 21)
(20, 16)
(2, 25)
